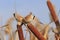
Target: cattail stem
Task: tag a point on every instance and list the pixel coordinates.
(20, 32)
(54, 16)
(52, 11)
(35, 32)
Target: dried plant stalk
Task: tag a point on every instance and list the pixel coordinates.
(46, 32)
(20, 32)
(55, 18)
(41, 27)
(32, 37)
(35, 32)
(2, 36)
(8, 28)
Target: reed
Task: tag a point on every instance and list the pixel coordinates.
(55, 18)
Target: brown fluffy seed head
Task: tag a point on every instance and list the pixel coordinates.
(18, 17)
(29, 18)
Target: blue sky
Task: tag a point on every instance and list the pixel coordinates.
(37, 7)
(23, 7)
